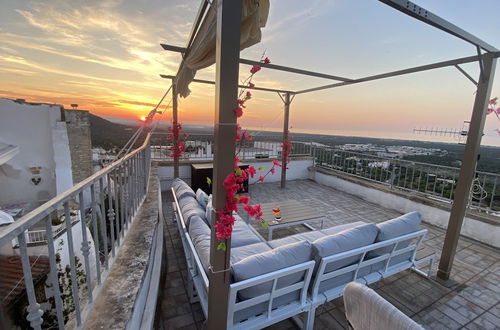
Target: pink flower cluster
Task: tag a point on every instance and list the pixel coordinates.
(492, 109)
(286, 149)
(179, 146)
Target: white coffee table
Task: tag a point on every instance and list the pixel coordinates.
(292, 213)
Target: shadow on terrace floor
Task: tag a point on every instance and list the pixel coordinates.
(470, 301)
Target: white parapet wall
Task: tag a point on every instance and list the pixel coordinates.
(297, 170)
(473, 228)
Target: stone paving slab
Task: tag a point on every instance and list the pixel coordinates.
(471, 300)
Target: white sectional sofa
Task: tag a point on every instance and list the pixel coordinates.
(279, 279)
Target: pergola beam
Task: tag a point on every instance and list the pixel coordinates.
(415, 11)
(426, 67)
(269, 65)
(201, 81)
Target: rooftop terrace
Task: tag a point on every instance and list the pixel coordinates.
(469, 300)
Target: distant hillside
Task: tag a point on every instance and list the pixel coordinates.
(108, 135)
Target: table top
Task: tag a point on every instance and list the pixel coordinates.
(291, 211)
(204, 166)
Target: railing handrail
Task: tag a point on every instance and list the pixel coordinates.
(25, 222)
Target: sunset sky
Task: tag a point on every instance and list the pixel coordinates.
(105, 56)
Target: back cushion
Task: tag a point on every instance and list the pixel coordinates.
(405, 224)
(198, 229)
(344, 241)
(181, 188)
(202, 198)
(266, 262)
(208, 211)
(189, 208)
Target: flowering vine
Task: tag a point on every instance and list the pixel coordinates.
(493, 109)
(234, 181)
(178, 146)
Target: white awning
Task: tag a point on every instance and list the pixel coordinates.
(202, 51)
(7, 151)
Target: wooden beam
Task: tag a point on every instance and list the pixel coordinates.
(286, 117)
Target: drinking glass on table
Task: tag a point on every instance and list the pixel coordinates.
(277, 213)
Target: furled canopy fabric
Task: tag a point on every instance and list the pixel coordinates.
(202, 51)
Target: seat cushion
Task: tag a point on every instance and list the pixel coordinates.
(202, 198)
(266, 262)
(242, 252)
(337, 229)
(405, 224)
(243, 234)
(344, 241)
(309, 236)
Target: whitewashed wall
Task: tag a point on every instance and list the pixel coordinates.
(42, 140)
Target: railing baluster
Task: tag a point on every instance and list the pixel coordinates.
(117, 206)
(93, 219)
(54, 274)
(34, 311)
(85, 246)
(493, 193)
(102, 217)
(72, 262)
(110, 212)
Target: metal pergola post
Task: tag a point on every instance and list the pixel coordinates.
(468, 169)
(226, 95)
(175, 122)
(286, 117)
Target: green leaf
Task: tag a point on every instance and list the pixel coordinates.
(209, 181)
(221, 246)
(261, 168)
(264, 224)
(238, 171)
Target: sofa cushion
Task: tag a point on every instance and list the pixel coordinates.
(242, 252)
(337, 229)
(208, 211)
(405, 224)
(309, 236)
(189, 208)
(243, 234)
(344, 241)
(181, 188)
(266, 262)
(202, 198)
(198, 229)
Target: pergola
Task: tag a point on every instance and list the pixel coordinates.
(227, 60)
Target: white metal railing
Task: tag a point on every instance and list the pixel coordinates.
(431, 180)
(109, 201)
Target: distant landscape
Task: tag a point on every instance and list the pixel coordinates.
(109, 135)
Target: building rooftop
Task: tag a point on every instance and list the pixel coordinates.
(469, 300)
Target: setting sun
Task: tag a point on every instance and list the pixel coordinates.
(143, 118)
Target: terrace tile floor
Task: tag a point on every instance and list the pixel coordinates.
(470, 300)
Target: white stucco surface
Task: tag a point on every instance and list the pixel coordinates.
(43, 142)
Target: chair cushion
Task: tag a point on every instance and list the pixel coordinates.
(266, 262)
(344, 241)
(405, 224)
(309, 236)
(202, 198)
(243, 234)
(337, 229)
(242, 252)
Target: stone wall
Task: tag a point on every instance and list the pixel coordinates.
(80, 145)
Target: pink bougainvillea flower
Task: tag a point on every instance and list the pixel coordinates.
(256, 68)
(490, 110)
(238, 112)
(277, 163)
(248, 95)
(272, 170)
(251, 85)
(261, 178)
(493, 101)
(266, 60)
(251, 171)
(247, 136)
(244, 200)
